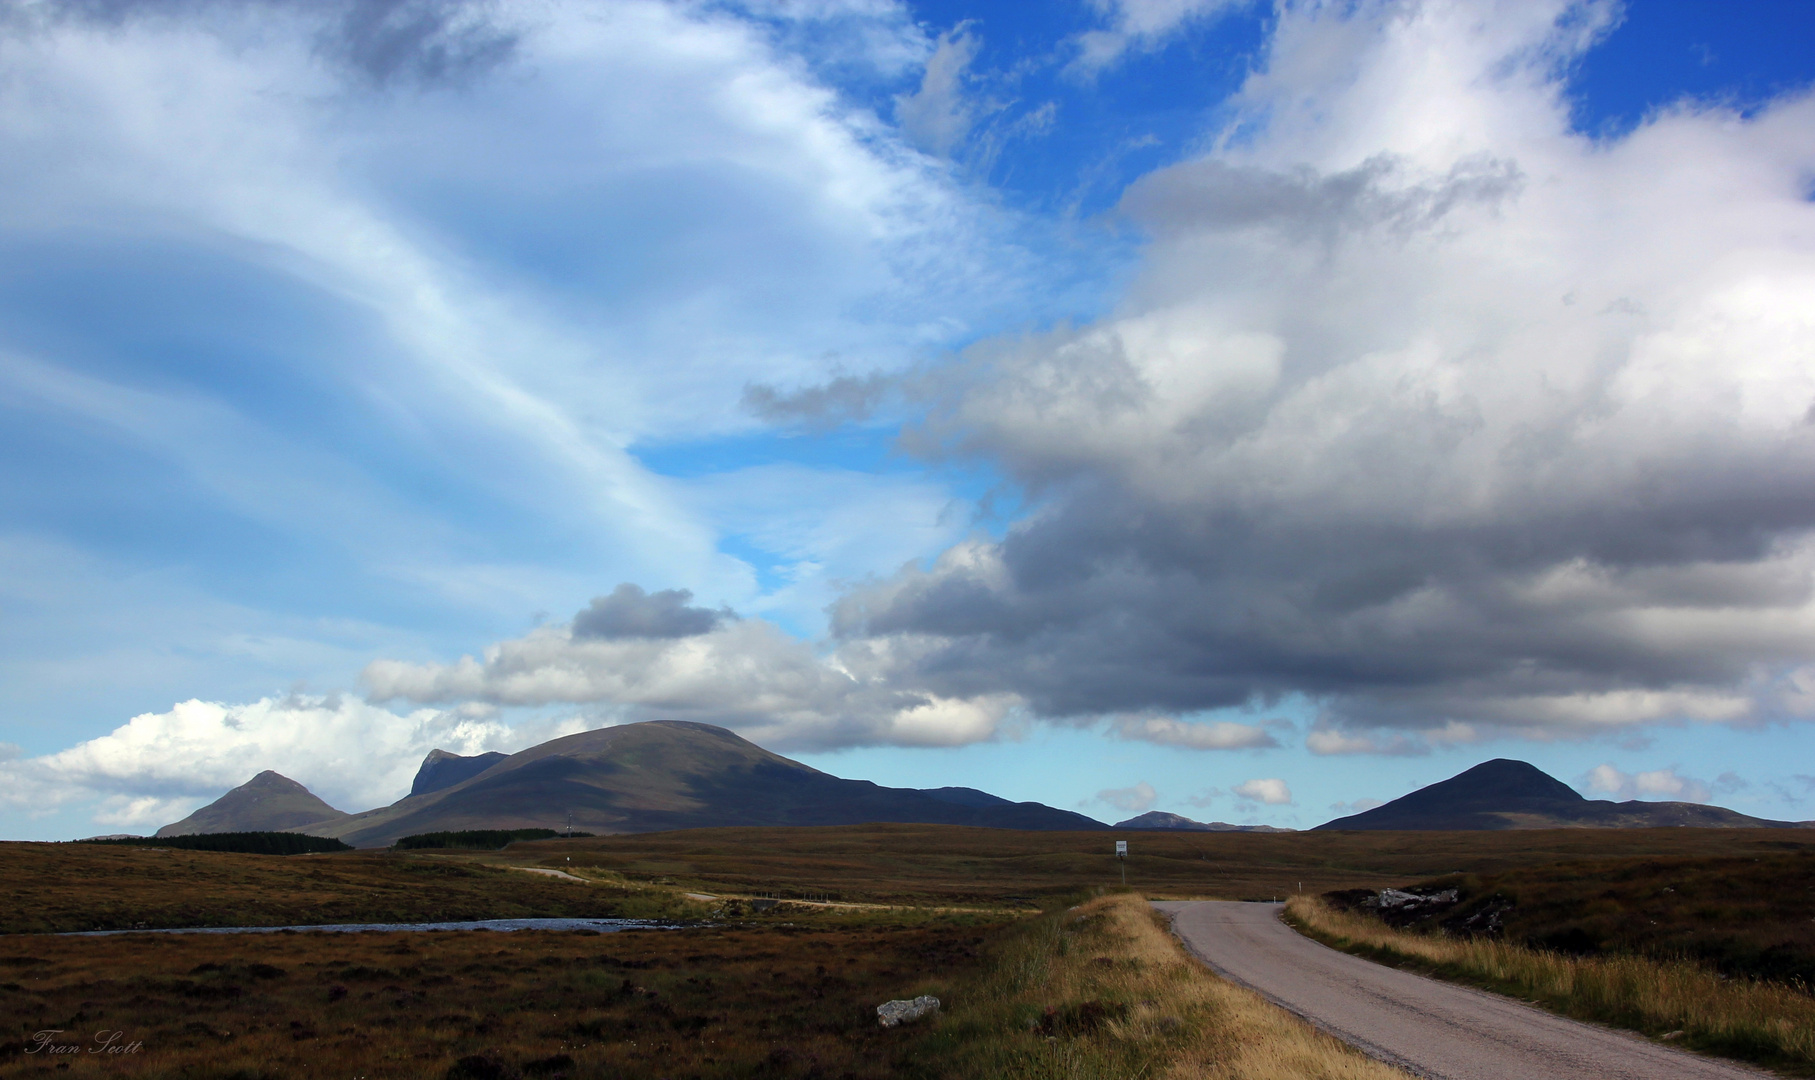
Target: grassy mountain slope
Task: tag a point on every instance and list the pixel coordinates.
(668, 775)
(1505, 794)
(268, 802)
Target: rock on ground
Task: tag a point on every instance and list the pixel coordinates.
(890, 1013)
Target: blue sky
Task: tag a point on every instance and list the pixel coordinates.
(1242, 410)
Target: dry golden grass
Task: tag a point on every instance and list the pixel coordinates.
(1104, 990)
(1751, 1020)
(1748, 915)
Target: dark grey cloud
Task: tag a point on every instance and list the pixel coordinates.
(422, 40)
(383, 41)
(629, 612)
(842, 400)
(1378, 436)
(1214, 195)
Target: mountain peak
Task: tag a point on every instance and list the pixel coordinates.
(441, 769)
(1508, 794)
(669, 774)
(1504, 778)
(269, 802)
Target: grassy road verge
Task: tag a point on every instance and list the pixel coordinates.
(1104, 990)
(1762, 1022)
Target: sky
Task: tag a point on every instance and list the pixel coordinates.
(1249, 411)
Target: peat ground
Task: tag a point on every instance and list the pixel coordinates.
(66, 887)
(754, 999)
(1749, 916)
(942, 864)
(62, 887)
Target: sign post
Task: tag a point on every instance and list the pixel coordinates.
(1121, 859)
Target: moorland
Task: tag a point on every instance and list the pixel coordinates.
(988, 920)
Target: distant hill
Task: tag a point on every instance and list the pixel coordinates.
(671, 774)
(443, 770)
(1506, 794)
(268, 802)
(964, 796)
(1160, 819)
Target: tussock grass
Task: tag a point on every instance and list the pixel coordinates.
(1103, 990)
(1752, 1020)
(1749, 915)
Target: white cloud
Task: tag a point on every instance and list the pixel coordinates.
(1166, 731)
(467, 303)
(513, 343)
(1272, 792)
(1330, 741)
(352, 754)
(1663, 784)
(747, 675)
(1356, 807)
(1423, 404)
(938, 116)
(1133, 800)
(1142, 25)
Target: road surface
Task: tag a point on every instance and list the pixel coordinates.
(1429, 1028)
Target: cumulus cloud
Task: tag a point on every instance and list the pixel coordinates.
(1166, 731)
(1325, 742)
(629, 612)
(1271, 792)
(1424, 407)
(1134, 800)
(1657, 784)
(745, 674)
(157, 767)
(843, 400)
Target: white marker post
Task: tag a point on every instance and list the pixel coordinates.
(1121, 859)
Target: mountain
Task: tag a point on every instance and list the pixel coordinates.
(1506, 794)
(964, 796)
(268, 802)
(673, 774)
(1160, 820)
(443, 770)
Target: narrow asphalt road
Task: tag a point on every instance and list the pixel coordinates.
(1429, 1028)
